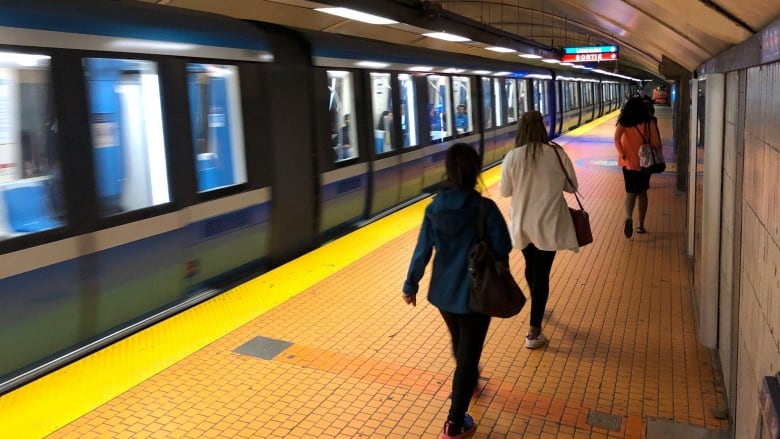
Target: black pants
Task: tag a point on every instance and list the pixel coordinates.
(468, 333)
(538, 264)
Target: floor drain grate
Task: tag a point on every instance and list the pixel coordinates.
(604, 420)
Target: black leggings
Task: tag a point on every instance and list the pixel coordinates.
(468, 333)
(538, 264)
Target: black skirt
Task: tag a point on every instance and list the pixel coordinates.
(636, 181)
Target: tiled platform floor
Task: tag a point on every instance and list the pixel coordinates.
(363, 364)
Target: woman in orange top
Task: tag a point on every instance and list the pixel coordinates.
(635, 126)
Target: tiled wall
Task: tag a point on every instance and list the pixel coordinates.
(759, 299)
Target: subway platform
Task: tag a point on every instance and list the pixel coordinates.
(324, 347)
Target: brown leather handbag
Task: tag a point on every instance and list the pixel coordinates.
(579, 217)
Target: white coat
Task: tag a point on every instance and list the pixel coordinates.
(538, 211)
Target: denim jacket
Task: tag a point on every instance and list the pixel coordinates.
(449, 226)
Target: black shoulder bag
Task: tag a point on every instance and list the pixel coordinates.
(493, 290)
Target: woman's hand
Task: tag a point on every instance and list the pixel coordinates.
(410, 299)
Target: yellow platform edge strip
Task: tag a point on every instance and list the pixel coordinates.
(51, 402)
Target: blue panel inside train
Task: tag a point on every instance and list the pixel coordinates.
(103, 78)
(219, 126)
(210, 128)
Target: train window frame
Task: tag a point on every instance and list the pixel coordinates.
(465, 100)
(346, 113)
(215, 162)
(106, 133)
(439, 114)
(499, 100)
(32, 194)
(510, 95)
(382, 115)
(409, 129)
(485, 84)
(522, 97)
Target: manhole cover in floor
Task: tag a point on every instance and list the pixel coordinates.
(604, 420)
(263, 347)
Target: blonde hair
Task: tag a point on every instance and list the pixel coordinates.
(532, 132)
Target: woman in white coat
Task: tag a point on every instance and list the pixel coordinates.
(539, 219)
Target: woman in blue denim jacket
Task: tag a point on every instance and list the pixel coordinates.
(449, 226)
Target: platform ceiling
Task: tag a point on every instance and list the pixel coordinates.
(686, 32)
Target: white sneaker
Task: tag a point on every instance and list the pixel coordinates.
(532, 342)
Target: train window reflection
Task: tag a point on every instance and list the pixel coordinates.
(510, 93)
(461, 96)
(487, 103)
(382, 107)
(217, 128)
(438, 108)
(125, 119)
(522, 96)
(30, 183)
(408, 113)
(498, 118)
(341, 110)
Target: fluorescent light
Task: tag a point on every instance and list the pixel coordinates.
(500, 49)
(551, 60)
(447, 37)
(502, 73)
(529, 56)
(24, 59)
(453, 70)
(567, 63)
(356, 15)
(420, 69)
(372, 64)
(145, 45)
(482, 72)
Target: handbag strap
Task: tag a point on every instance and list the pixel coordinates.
(481, 219)
(647, 128)
(555, 149)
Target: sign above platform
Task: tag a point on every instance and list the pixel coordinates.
(590, 54)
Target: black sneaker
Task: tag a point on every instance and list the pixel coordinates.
(628, 228)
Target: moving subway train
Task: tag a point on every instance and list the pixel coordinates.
(150, 157)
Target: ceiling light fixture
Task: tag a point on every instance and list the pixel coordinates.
(500, 49)
(529, 56)
(447, 37)
(356, 15)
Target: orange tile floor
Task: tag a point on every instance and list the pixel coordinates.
(363, 364)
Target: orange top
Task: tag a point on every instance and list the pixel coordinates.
(629, 139)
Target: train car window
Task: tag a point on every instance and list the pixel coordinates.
(510, 93)
(587, 93)
(540, 96)
(498, 114)
(487, 103)
(408, 110)
(439, 115)
(128, 142)
(341, 108)
(461, 96)
(382, 107)
(522, 96)
(30, 183)
(217, 126)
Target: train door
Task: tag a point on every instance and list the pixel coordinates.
(343, 163)
(40, 292)
(138, 274)
(488, 119)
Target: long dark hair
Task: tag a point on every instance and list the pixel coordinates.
(634, 113)
(532, 132)
(463, 166)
